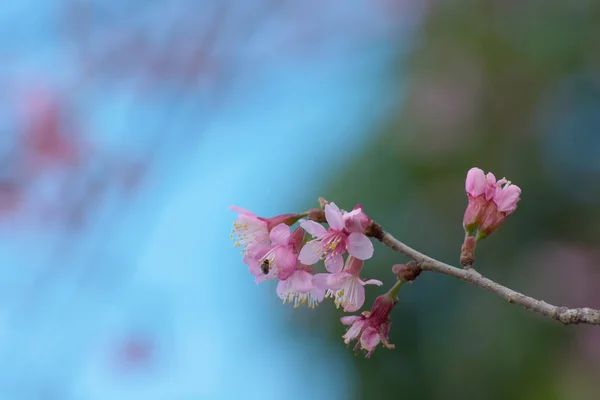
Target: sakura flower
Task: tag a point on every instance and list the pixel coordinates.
(331, 244)
(346, 287)
(504, 203)
(250, 230)
(490, 202)
(302, 287)
(277, 260)
(371, 327)
(507, 196)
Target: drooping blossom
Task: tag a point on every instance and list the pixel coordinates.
(346, 288)
(331, 244)
(371, 327)
(303, 287)
(250, 230)
(490, 202)
(278, 259)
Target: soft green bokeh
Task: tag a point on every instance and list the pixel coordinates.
(514, 88)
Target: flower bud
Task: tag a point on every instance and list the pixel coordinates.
(407, 272)
(317, 215)
(288, 219)
(323, 202)
(490, 202)
(356, 220)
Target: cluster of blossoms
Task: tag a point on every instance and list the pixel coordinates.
(274, 250)
(491, 201)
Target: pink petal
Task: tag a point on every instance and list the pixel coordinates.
(283, 288)
(475, 182)
(490, 186)
(251, 220)
(371, 282)
(350, 319)
(507, 198)
(278, 219)
(319, 286)
(254, 267)
(334, 264)
(241, 210)
(335, 281)
(334, 217)
(310, 253)
(384, 330)
(360, 246)
(353, 266)
(280, 234)
(369, 339)
(355, 296)
(313, 228)
(356, 220)
(285, 262)
(297, 238)
(256, 251)
(301, 281)
(354, 331)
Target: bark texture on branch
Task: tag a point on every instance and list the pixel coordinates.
(565, 315)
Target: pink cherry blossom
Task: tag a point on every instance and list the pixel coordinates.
(302, 287)
(490, 202)
(371, 327)
(250, 230)
(480, 190)
(277, 260)
(346, 287)
(507, 197)
(504, 202)
(475, 183)
(331, 244)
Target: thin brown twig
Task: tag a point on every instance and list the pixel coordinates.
(565, 315)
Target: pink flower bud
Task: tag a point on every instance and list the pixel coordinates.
(490, 202)
(475, 183)
(407, 272)
(356, 220)
(288, 219)
(323, 202)
(474, 213)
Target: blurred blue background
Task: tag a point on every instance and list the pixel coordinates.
(128, 128)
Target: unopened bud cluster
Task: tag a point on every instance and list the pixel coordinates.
(491, 201)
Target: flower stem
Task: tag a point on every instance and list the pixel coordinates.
(393, 292)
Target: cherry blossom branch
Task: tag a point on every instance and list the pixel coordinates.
(564, 315)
